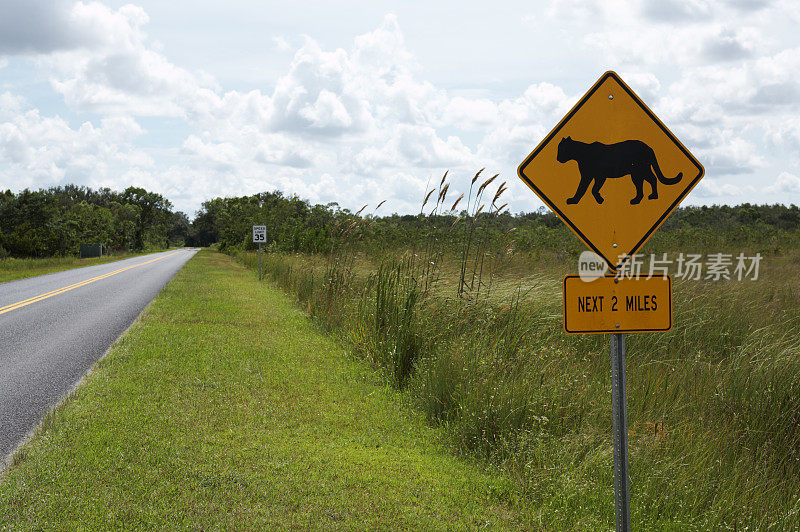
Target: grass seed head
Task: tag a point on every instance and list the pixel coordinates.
(428, 197)
(502, 188)
(456, 203)
(443, 193)
(487, 183)
(509, 232)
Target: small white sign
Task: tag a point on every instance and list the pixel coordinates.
(259, 234)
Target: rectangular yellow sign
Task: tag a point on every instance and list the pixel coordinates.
(609, 304)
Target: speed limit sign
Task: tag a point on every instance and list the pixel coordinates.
(259, 234)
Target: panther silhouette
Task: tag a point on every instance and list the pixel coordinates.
(598, 162)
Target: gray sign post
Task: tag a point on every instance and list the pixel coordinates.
(619, 408)
(259, 236)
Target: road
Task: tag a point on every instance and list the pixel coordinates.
(54, 327)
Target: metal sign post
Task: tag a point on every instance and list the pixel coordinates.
(259, 236)
(619, 408)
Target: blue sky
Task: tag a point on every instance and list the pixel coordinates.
(360, 102)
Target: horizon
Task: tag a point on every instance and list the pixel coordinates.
(542, 209)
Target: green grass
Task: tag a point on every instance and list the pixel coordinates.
(12, 269)
(713, 405)
(224, 407)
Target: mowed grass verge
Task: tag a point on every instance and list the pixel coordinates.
(225, 407)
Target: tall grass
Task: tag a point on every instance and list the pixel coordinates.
(473, 333)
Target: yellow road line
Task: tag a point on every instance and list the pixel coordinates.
(40, 297)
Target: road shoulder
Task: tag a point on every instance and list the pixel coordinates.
(225, 407)
(16, 269)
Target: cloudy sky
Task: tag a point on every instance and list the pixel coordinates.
(356, 102)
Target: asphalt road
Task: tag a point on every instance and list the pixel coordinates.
(54, 327)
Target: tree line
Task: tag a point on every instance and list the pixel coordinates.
(55, 221)
(295, 225)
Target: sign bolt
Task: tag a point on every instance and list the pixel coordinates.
(610, 96)
(614, 245)
(617, 325)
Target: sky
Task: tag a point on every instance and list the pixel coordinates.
(359, 102)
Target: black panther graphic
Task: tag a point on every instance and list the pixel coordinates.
(598, 162)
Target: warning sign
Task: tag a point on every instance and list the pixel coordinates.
(611, 170)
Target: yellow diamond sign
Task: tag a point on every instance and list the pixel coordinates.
(611, 170)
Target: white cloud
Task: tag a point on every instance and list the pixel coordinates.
(730, 154)
(279, 150)
(42, 151)
(415, 146)
(523, 122)
(327, 112)
(576, 11)
(668, 11)
(730, 45)
(712, 188)
(645, 84)
(471, 114)
(785, 184)
(220, 156)
(784, 134)
(119, 70)
(10, 104)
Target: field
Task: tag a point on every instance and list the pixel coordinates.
(471, 334)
